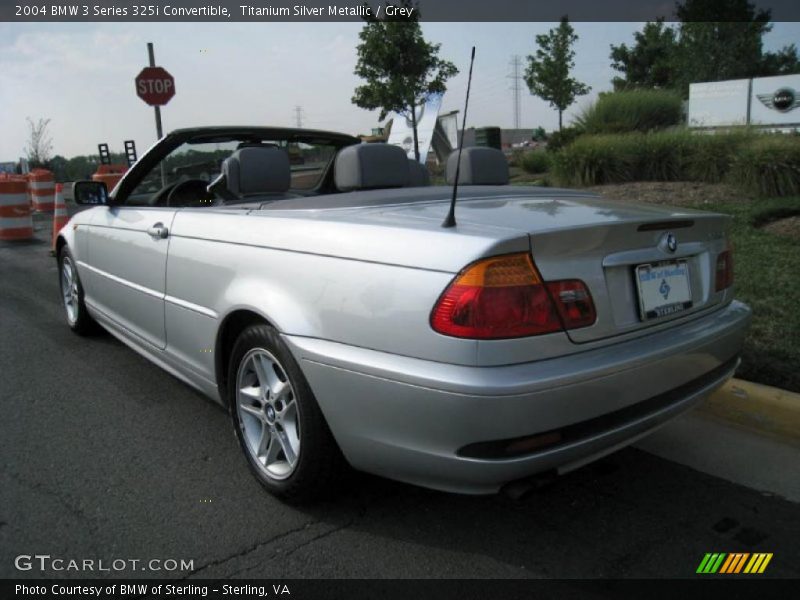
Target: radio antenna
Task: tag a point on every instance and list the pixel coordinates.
(450, 219)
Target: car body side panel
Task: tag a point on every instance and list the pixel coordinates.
(354, 302)
(191, 336)
(382, 238)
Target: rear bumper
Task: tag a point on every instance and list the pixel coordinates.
(407, 419)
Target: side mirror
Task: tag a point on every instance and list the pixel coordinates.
(90, 192)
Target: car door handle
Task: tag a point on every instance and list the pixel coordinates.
(158, 231)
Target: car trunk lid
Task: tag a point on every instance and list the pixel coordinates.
(603, 243)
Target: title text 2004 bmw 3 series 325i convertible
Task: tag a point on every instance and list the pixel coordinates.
(305, 281)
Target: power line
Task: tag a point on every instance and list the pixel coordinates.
(515, 76)
(298, 114)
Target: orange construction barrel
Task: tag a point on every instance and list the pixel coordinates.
(110, 174)
(16, 222)
(42, 188)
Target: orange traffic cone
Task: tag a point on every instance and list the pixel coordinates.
(60, 217)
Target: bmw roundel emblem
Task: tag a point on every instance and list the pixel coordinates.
(672, 243)
(783, 99)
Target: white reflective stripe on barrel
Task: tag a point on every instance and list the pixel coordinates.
(13, 199)
(42, 185)
(18, 223)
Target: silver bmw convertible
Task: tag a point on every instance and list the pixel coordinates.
(306, 282)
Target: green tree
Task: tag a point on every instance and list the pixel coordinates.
(719, 39)
(649, 63)
(400, 69)
(714, 40)
(783, 62)
(548, 71)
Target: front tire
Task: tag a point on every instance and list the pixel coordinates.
(78, 317)
(280, 428)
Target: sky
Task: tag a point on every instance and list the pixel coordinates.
(80, 76)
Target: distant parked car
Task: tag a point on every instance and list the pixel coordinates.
(322, 302)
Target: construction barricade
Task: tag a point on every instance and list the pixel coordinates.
(41, 185)
(16, 221)
(109, 174)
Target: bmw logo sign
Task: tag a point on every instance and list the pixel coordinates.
(783, 99)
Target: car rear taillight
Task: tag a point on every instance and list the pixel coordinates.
(504, 297)
(573, 302)
(724, 271)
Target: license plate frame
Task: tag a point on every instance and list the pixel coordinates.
(675, 279)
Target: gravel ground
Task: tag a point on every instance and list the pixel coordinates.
(679, 193)
(789, 227)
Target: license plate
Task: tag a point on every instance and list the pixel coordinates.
(663, 288)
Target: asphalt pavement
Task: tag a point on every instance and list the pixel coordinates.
(105, 456)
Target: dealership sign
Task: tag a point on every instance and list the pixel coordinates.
(762, 101)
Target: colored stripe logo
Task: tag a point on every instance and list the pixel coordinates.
(734, 563)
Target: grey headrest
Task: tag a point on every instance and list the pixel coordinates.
(257, 170)
(479, 166)
(370, 166)
(419, 175)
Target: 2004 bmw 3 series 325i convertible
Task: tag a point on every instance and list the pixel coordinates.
(305, 281)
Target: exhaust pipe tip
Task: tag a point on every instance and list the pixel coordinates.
(520, 489)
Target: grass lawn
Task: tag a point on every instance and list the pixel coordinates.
(767, 270)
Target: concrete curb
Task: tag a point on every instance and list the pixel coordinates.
(760, 408)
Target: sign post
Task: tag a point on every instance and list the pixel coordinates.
(155, 86)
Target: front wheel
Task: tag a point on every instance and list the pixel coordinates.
(78, 317)
(278, 423)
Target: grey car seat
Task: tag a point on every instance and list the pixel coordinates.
(257, 170)
(479, 166)
(254, 171)
(371, 166)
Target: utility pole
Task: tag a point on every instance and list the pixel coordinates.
(298, 113)
(515, 76)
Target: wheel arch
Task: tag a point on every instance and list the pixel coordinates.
(61, 241)
(232, 325)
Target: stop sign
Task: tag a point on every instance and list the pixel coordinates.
(155, 86)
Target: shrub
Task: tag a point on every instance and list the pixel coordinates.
(596, 159)
(634, 110)
(712, 155)
(769, 166)
(515, 158)
(560, 139)
(764, 164)
(535, 161)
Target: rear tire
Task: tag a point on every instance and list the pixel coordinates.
(72, 298)
(281, 430)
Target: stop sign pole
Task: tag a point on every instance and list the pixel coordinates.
(151, 55)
